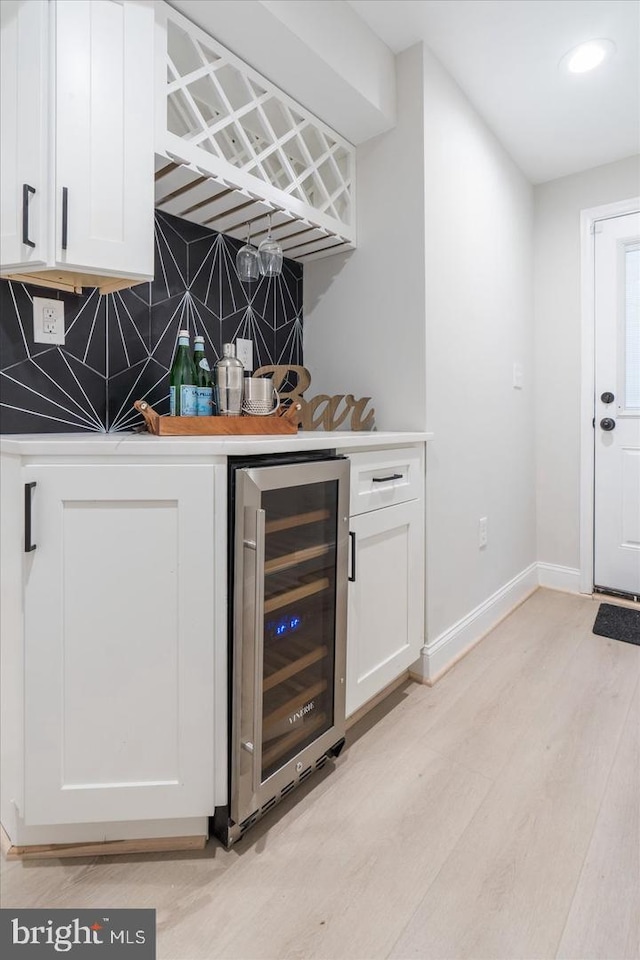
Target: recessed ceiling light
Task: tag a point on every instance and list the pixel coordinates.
(587, 56)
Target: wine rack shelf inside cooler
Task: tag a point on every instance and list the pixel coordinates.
(297, 593)
(296, 557)
(295, 520)
(291, 696)
(279, 667)
(281, 747)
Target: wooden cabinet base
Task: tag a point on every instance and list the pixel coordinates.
(108, 848)
(73, 282)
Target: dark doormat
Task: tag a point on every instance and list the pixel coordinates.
(618, 623)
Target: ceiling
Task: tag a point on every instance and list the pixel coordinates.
(504, 54)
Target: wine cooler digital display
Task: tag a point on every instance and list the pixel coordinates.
(280, 628)
(289, 625)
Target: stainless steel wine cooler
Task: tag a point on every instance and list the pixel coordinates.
(288, 556)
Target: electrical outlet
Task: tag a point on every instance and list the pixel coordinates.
(482, 532)
(48, 320)
(244, 353)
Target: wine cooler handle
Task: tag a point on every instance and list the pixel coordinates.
(28, 546)
(258, 650)
(352, 538)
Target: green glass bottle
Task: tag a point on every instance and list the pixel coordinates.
(203, 380)
(182, 380)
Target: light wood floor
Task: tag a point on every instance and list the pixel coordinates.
(496, 815)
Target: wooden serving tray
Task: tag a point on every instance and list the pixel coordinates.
(283, 422)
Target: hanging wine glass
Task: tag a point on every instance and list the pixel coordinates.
(270, 255)
(247, 262)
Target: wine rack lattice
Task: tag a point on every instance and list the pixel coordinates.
(235, 133)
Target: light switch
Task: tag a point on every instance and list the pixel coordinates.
(518, 376)
(244, 353)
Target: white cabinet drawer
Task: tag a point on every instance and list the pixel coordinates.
(385, 477)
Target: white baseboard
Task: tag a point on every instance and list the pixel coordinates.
(439, 655)
(559, 578)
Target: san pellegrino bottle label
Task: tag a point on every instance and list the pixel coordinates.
(183, 380)
(204, 401)
(188, 401)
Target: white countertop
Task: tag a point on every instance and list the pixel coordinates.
(144, 444)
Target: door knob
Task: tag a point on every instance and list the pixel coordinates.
(607, 397)
(608, 424)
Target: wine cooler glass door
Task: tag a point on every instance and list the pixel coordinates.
(289, 621)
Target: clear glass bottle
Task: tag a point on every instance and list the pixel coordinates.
(182, 380)
(204, 402)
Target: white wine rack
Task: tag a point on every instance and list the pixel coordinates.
(232, 148)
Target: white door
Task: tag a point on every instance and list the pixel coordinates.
(23, 132)
(104, 136)
(617, 404)
(119, 645)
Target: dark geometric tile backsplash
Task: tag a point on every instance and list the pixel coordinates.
(119, 347)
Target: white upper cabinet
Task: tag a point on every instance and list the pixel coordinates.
(91, 165)
(23, 132)
(233, 148)
(104, 136)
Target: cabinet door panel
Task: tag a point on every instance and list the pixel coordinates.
(386, 611)
(23, 130)
(104, 141)
(119, 645)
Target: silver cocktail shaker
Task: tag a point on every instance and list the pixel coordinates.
(229, 377)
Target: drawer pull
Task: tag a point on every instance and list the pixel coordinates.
(28, 545)
(352, 538)
(393, 476)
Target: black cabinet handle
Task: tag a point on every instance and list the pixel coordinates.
(352, 538)
(26, 190)
(394, 476)
(65, 217)
(28, 546)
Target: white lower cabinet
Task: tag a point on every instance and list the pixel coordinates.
(118, 643)
(386, 592)
(114, 633)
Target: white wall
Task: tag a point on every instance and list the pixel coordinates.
(558, 343)
(479, 321)
(438, 296)
(364, 310)
(322, 54)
